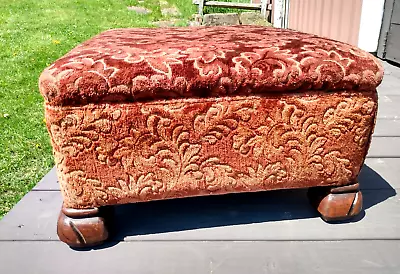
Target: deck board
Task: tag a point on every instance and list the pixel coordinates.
(49, 182)
(384, 147)
(332, 257)
(380, 173)
(388, 106)
(387, 128)
(266, 216)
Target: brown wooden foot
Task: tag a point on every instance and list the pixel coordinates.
(82, 227)
(336, 203)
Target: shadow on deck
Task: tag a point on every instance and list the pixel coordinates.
(232, 209)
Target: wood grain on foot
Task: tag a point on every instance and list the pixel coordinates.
(337, 203)
(81, 227)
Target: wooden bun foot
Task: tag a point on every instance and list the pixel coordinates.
(336, 203)
(81, 227)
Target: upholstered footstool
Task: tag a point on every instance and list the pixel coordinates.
(137, 115)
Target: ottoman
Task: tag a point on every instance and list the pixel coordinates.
(136, 115)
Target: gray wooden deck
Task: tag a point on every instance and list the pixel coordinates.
(269, 232)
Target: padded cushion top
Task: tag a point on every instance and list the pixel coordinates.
(127, 65)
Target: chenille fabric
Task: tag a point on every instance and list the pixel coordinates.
(148, 64)
(145, 114)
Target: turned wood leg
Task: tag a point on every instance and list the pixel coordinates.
(336, 203)
(82, 227)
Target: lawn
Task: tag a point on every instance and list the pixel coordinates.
(32, 35)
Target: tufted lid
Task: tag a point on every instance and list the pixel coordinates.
(126, 65)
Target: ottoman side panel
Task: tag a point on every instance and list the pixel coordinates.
(120, 153)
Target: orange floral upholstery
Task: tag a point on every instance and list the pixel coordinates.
(144, 114)
(148, 64)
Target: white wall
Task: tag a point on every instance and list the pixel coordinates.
(370, 25)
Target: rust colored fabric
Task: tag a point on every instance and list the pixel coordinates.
(126, 65)
(120, 153)
(145, 114)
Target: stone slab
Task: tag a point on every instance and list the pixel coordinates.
(221, 19)
(253, 18)
(139, 10)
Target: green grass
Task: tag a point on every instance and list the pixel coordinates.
(32, 35)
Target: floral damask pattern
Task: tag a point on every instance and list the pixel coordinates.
(147, 64)
(120, 153)
(250, 108)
